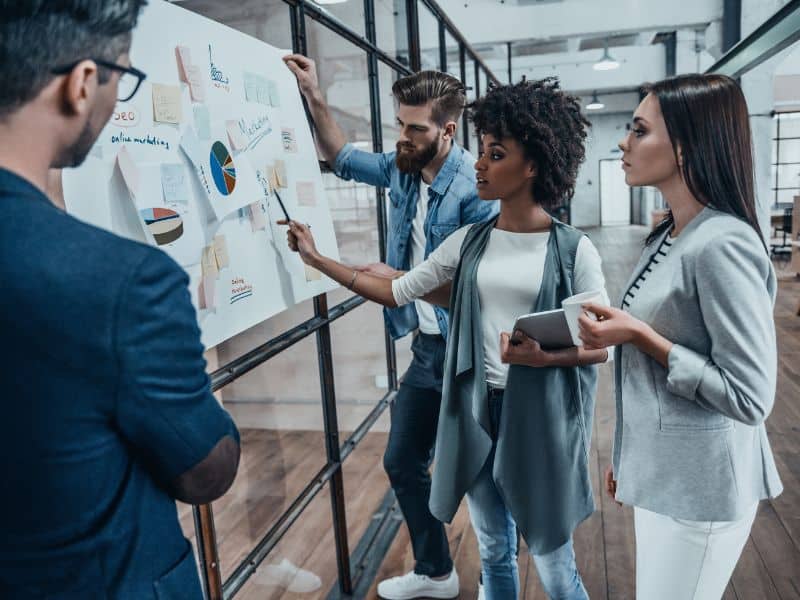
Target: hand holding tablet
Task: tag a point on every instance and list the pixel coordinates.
(557, 329)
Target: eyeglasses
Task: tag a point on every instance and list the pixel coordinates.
(129, 80)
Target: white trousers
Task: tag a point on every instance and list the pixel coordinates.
(678, 559)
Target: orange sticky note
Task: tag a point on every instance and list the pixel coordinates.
(272, 178)
(221, 251)
(280, 174)
(209, 262)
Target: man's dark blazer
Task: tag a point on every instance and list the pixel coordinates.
(105, 401)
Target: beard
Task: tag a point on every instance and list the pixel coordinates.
(78, 151)
(414, 162)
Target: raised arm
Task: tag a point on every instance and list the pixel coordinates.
(348, 162)
(330, 136)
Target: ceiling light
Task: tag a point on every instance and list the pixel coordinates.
(606, 63)
(595, 104)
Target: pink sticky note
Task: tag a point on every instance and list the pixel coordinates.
(305, 193)
(184, 56)
(206, 293)
(258, 219)
(237, 137)
(129, 170)
(197, 89)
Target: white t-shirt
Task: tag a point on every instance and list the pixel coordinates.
(509, 278)
(425, 312)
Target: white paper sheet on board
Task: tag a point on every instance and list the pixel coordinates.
(207, 77)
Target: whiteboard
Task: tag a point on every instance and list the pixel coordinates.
(194, 165)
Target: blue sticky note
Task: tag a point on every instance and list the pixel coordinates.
(202, 122)
(174, 184)
(274, 96)
(250, 87)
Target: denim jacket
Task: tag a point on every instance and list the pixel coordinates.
(452, 203)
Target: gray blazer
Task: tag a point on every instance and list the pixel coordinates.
(690, 440)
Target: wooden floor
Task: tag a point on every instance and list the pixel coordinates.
(276, 465)
(604, 543)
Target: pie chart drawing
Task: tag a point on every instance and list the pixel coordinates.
(222, 168)
(166, 225)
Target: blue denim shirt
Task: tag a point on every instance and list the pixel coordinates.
(452, 203)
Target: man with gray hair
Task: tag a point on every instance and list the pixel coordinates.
(108, 414)
(432, 193)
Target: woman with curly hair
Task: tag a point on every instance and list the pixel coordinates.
(515, 423)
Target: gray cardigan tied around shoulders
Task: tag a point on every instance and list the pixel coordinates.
(541, 464)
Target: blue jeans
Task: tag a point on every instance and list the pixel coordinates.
(497, 538)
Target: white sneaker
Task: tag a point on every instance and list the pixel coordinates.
(411, 585)
(481, 593)
(289, 577)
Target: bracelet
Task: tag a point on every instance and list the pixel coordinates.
(353, 280)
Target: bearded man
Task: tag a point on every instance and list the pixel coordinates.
(431, 182)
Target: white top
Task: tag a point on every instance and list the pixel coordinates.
(509, 278)
(425, 312)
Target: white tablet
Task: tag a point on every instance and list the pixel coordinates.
(549, 328)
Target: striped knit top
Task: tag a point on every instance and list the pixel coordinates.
(655, 259)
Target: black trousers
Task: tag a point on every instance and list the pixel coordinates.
(409, 453)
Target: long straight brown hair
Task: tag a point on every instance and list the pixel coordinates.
(706, 117)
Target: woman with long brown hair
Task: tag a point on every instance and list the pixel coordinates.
(695, 355)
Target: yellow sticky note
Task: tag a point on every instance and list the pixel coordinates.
(221, 251)
(166, 103)
(312, 274)
(272, 177)
(209, 262)
(280, 174)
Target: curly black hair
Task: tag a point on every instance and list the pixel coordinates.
(547, 123)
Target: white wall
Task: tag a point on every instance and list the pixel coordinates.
(604, 135)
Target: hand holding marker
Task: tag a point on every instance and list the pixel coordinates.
(286, 214)
(292, 239)
(283, 208)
